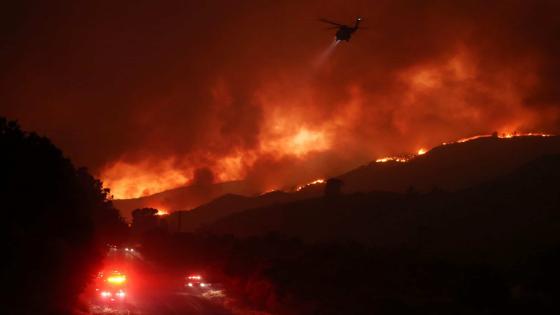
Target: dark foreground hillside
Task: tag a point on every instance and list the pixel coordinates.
(186, 197)
(56, 222)
(519, 210)
(493, 248)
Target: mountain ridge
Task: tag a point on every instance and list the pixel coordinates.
(449, 167)
(516, 212)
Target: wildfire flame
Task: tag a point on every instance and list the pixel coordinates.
(392, 159)
(162, 212)
(267, 191)
(315, 182)
(262, 113)
(505, 135)
(128, 180)
(132, 181)
(294, 127)
(285, 139)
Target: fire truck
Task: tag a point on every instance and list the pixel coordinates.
(195, 281)
(111, 287)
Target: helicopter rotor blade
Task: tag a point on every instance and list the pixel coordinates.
(329, 22)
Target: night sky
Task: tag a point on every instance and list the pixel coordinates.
(145, 93)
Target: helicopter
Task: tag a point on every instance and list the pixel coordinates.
(344, 32)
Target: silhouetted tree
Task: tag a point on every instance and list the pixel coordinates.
(333, 188)
(56, 221)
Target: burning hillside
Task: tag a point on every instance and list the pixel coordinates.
(262, 110)
(450, 166)
(315, 182)
(407, 157)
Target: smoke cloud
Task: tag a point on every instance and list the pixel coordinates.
(146, 94)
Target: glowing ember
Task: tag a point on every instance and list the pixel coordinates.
(391, 159)
(528, 134)
(468, 139)
(268, 191)
(162, 212)
(315, 182)
(505, 135)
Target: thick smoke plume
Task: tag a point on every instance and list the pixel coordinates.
(146, 94)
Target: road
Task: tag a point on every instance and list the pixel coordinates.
(165, 303)
(153, 291)
(178, 303)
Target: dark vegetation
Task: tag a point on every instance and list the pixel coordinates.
(286, 276)
(56, 223)
(523, 204)
(493, 248)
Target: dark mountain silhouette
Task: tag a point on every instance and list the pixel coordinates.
(518, 212)
(186, 197)
(225, 205)
(448, 167)
(451, 238)
(453, 166)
